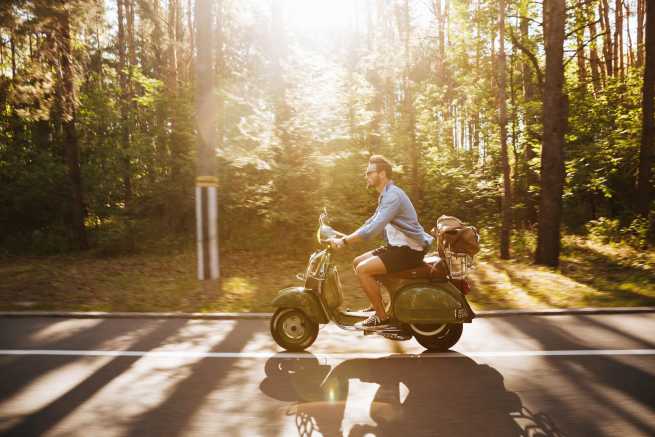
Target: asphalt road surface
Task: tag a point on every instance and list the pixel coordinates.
(582, 375)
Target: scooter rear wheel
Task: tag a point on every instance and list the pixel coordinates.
(293, 330)
(444, 337)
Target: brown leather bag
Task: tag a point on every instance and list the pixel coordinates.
(451, 233)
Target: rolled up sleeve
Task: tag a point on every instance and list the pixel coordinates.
(387, 210)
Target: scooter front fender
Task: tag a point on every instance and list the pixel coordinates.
(432, 302)
(303, 299)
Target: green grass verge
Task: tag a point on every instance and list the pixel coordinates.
(591, 274)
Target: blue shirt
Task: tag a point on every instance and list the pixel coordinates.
(394, 207)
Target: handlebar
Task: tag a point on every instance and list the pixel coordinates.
(327, 229)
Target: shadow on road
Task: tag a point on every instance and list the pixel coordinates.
(172, 416)
(19, 372)
(46, 418)
(450, 396)
(593, 376)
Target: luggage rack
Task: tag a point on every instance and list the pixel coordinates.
(459, 264)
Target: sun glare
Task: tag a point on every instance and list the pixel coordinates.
(323, 15)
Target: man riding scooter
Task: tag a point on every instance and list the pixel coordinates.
(406, 241)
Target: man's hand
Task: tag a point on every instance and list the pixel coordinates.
(337, 243)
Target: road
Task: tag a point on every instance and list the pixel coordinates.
(573, 375)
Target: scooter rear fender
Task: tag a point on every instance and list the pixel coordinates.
(432, 302)
(303, 299)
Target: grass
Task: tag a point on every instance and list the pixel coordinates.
(590, 274)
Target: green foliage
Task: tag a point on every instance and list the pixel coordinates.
(300, 114)
(607, 230)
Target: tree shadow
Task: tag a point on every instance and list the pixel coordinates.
(496, 299)
(613, 329)
(606, 274)
(47, 417)
(451, 396)
(172, 416)
(523, 283)
(21, 371)
(604, 370)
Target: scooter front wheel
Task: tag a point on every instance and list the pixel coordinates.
(293, 330)
(437, 338)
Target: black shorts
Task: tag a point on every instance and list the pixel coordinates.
(399, 258)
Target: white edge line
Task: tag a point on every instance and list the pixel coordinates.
(260, 355)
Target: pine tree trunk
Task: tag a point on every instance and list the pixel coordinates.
(618, 38)
(191, 37)
(631, 56)
(531, 126)
(603, 10)
(71, 144)
(597, 72)
(159, 70)
(124, 84)
(441, 40)
(554, 121)
(641, 9)
(579, 38)
(502, 121)
(647, 148)
(220, 72)
(172, 88)
(205, 76)
(410, 113)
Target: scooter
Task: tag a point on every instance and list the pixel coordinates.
(427, 302)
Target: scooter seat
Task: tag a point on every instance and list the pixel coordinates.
(433, 268)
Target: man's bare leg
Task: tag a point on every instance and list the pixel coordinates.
(360, 258)
(366, 270)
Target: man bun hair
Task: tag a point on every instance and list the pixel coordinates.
(381, 164)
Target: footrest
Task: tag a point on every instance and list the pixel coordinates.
(357, 313)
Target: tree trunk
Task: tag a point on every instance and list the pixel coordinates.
(531, 126)
(502, 121)
(603, 11)
(618, 38)
(159, 70)
(205, 103)
(554, 120)
(71, 145)
(410, 113)
(641, 9)
(597, 72)
(441, 49)
(631, 56)
(220, 72)
(172, 87)
(647, 148)
(191, 37)
(12, 45)
(124, 102)
(579, 38)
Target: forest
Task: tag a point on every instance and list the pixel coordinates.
(532, 120)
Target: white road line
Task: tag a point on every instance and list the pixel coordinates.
(337, 356)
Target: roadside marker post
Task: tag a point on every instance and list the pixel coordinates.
(206, 180)
(207, 227)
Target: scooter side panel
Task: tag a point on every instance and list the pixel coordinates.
(438, 302)
(303, 299)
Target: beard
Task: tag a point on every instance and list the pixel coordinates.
(373, 182)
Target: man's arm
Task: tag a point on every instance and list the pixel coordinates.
(386, 212)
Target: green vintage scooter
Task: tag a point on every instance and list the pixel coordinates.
(427, 302)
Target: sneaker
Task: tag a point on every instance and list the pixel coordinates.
(373, 322)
